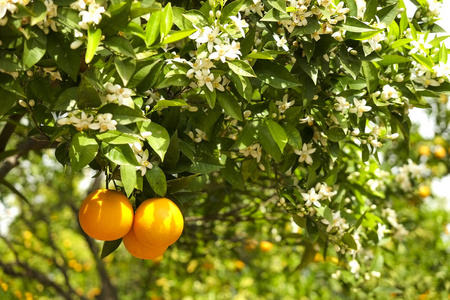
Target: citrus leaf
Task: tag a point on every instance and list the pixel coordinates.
(157, 180)
(83, 150)
(109, 247)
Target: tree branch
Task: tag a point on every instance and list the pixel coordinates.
(8, 130)
(38, 142)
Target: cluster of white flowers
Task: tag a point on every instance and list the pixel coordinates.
(83, 121)
(254, 151)
(375, 41)
(198, 136)
(220, 46)
(408, 172)
(391, 216)
(422, 75)
(305, 153)
(256, 7)
(118, 94)
(90, 12)
(388, 93)
(339, 224)
(48, 22)
(313, 197)
(304, 10)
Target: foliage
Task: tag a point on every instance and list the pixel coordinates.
(248, 114)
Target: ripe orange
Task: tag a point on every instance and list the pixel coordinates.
(424, 191)
(106, 215)
(424, 150)
(440, 152)
(265, 246)
(158, 222)
(139, 250)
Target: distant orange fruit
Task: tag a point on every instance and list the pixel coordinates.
(265, 246)
(139, 250)
(158, 222)
(424, 191)
(239, 264)
(440, 152)
(106, 215)
(424, 150)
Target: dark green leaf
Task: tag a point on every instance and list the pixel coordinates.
(230, 104)
(241, 67)
(115, 137)
(159, 139)
(34, 48)
(83, 150)
(109, 247)
(275, 75)
(121, 155)
(335, 134)
(278, 133)
(157, 180)
(123, 114)
(348, 239)
(120, 45)
(125, 67)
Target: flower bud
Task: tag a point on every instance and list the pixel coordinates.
(75, 44)
(32, 103)
(23, 103)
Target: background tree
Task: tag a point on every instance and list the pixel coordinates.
(273, 120)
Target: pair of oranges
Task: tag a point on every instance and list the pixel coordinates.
(108, 215)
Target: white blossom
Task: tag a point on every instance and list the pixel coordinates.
(92, 15)
(240, 23)
(284, 105)
(104, 123)
(311, 198)
(359, 107)
(199, 136)
(83, 122)
(305, 153)
(281, 42)
(341, 105)
(143, 161)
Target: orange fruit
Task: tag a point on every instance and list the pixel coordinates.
(106, 215)
(158, 222)
(440, 152)
(265, 246)
(139, 250)
(424, 191)
(239, 264)
(424, 150)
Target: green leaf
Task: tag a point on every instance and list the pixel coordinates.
(94, 37)
(157, 180)
(278, 133)
(122, 114)
(178, 184)
(387, 14)
(167, 20)
(128, 177)
(231, 9)
(294, 137)
(393, 59)
(279, 5)
(87, 94)
(246, 137)
(260, 55)
(125, 67)
(354, 25)
(232, 174)
(121, 155)
(159, 139)
(196, 17)
(152, 30)
(178, 35)
(34, 48)
(348, 239)
(425, 61)
(67, 100)
(230, 104)
(275, 75)
(169, 103)
(300, 221)
(109, 247)
(274, 15)
(142, 74)
(312, 230)
(241, 67)
(267, 141)
(210, 97)
(336, 134)
(67, 59)
(83, 150)
(353, 67)
(120, 45)
(371, 75)
(115, 137)
(39, 12)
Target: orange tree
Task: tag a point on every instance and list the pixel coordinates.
(247, 112)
